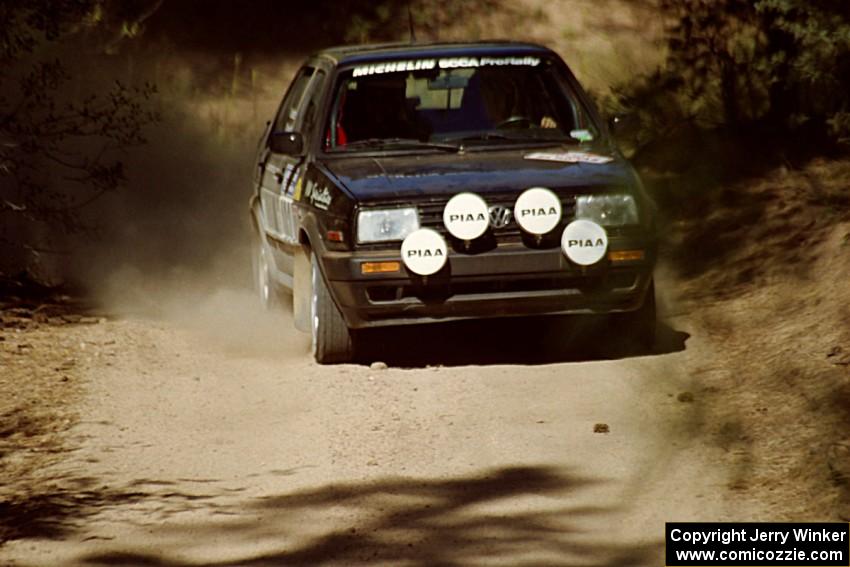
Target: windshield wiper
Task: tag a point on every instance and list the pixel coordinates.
(527, 137)
(483, 137)
(552, 140)
(397, 142)
(524, 139)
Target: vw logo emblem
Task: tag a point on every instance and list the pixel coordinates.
(500, 216)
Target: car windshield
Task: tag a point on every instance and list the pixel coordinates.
(464, 101)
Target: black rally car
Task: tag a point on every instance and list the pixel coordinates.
(407, 184)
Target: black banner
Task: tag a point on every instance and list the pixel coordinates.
(694, 544)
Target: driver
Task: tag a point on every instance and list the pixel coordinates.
(504, 102)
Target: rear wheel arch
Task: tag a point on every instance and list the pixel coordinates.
(304, 240)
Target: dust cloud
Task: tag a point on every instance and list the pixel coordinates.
(174, 243)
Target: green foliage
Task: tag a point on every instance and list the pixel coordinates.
(784, 64)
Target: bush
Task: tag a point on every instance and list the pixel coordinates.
(782, 64)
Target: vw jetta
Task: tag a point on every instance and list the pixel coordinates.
(410, 184)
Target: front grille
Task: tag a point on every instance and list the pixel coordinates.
(431, 216)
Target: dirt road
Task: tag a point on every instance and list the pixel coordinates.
(210, 438)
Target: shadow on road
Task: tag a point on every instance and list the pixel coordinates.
(56, 507)
(511, 341)
(519, 515)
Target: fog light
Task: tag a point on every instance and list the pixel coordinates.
(380, 267)
(626, 255)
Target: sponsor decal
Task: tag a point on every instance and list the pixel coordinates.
(444, 63)
(424, 252)
(319, 196)
(466, 216)
(290, 175)
(394, 67)
(571, 157)
(459, 62)
(581, 135)
(584, 242)
(538, 210)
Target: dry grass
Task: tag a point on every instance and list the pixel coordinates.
(43, 354)
(765, 281)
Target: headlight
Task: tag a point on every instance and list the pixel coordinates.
(607, 210)
(385, 225)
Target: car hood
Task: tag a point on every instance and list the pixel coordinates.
(396, 177)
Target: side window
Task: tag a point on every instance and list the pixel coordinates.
(579, 116)
(309, 113)
(288, 113)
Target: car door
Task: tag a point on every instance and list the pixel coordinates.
(281, 172)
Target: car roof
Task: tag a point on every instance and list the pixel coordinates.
(352, 54)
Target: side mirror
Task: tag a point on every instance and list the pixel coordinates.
(290, 143)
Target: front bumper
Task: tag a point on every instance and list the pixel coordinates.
(510, 280)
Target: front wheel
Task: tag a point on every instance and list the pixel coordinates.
(332, 340)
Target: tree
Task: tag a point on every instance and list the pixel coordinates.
(59, 151)
(808, 54)
(780, 64)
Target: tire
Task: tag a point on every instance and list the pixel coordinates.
(332, 340)
(264, 283)
(639, 327)
(302, 291)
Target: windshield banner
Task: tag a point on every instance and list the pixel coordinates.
(444, 63)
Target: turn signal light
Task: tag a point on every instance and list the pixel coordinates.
(336, 236)
(626, 255)
(380, 267)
